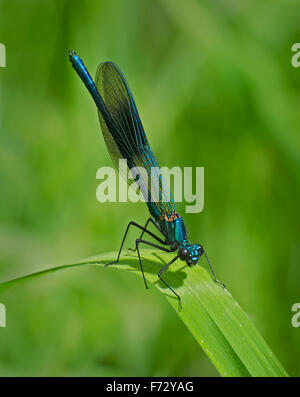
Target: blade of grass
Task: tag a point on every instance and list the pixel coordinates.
(209, 312)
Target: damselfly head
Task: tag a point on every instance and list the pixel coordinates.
(190, 253)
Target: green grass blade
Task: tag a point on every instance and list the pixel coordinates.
(209, 311)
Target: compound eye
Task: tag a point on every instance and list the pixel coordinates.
(183, 252)
(200, 250)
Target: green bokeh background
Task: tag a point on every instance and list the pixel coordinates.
(215, 87)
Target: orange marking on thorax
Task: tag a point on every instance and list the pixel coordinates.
(170, 218)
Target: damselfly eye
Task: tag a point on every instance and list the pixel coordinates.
(183, 252)
(201, 250)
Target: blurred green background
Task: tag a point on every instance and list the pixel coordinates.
(215, 87)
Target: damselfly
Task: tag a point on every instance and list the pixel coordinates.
(125, 138)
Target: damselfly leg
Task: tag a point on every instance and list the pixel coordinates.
(139, 241)
(145, 227)
(165, 267)
(125, 235)
(212, 270)
(160, 273)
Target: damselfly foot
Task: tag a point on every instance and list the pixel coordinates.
(110, 263)
(219, 282)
